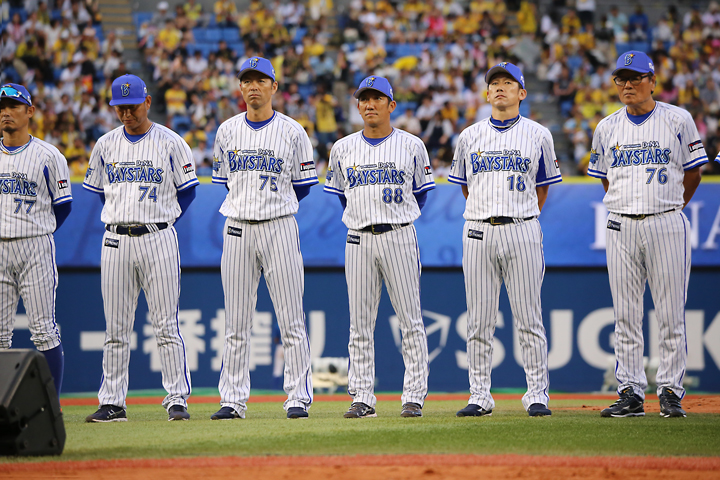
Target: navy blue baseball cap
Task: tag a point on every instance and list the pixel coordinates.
(374, 82)
(506, 67)
(128, 90)
(16, 92)
(635, 61)
(258, 64)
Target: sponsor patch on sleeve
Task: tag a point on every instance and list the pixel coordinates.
(354, 239)
(88, 172)
(428, 170)
(612, 225)
(476, 234)
(62, 184)
(112, 242)
(188, 168)
(216, 164)
(696, 145)
(304, 167)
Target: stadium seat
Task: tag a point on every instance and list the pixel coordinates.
(23, 14)
(141, 17)
(181, 124)
(230, 35)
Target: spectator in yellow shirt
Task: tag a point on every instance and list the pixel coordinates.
(169, 37)
(175, 98)
(225, 13)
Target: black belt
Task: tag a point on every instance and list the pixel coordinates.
(382, 228)
(503, 220)
(135, 230)
(255, 222)
(643, 215)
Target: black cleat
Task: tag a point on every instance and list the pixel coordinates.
(473, 410)
(297, 412)
(628, 405)
(670, 404)
(107, 413)
(411, 410)
(225, 413)
(178, 412)
(360, 410)
(538, 410)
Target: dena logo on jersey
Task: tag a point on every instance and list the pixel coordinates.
(499, 161)
(18, 185)
(263, 160)
(140, 171)
(382, 174)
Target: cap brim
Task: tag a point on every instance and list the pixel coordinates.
(127, 101)
(360, 90)
(495, 70)
(617, 70)
(17, 99)
(243, 72)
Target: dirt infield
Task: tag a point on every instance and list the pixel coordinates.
(400, 467)
(691, 403)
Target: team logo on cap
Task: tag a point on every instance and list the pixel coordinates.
(629, 58)
(369, 82)
(125, 89)
(502, 64)
(253, 63)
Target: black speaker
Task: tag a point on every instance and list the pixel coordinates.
(31, 422)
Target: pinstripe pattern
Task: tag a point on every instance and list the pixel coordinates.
(353, 172)
(33, 178)
(655, 249)
(662, 141)
(27, 269)
(502, 169)
(36, 174)
(486, 158)
(364, 174)
(140, 180)
(247, 160)
(273, 249)
(395, 257)
(260, 167)
(150, 262)
(512, 253)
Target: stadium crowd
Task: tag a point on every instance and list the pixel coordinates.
(435, 54)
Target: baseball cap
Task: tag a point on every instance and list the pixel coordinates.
(16, 92)
(128, 90)
(506, 67)
(374, 82)
(259, 64)
(635, 61)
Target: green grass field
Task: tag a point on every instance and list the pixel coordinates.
(266, 431)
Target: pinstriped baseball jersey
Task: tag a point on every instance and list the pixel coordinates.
(379, 181)
(504, 167)
(645, 164)
(259, 166)
(33, 178)
(140, 179)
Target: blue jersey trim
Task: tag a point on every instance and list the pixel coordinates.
(596, 174)
(334, 191)
(61, 200)
(188, 184)
(382, 140)
(306, 181)
(259, 125)
(219, 180)
(424, 188)
(136, 138)
(549, 181)
(696, 162)
(93, 188)
(457, 180)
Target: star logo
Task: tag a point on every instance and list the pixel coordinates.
(253, 63)
(125, 89)
(629, 58)
(369, 82)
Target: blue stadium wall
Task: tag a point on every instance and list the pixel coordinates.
(577, 306)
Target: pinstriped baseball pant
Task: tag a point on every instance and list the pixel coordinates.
(656, 249)
(395, 257)
(27, 269)
(150, 262)
(512, 253)
(271, 248)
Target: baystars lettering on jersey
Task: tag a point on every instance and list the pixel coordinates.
(379, 180)
(260, 166)
(140, 178)
(498, 165)
(646, 163)
(33, 178)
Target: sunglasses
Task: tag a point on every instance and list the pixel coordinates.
(634, 81)
(12, 92)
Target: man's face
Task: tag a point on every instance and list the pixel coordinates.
(14, 115)
(505, 91)
(133, 116)
(634, 88)
(375, 108)
(257, 88)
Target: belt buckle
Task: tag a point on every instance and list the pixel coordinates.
(372, 229)
(253, 222)
(130, 227)
(493, 221)
(642, 216)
